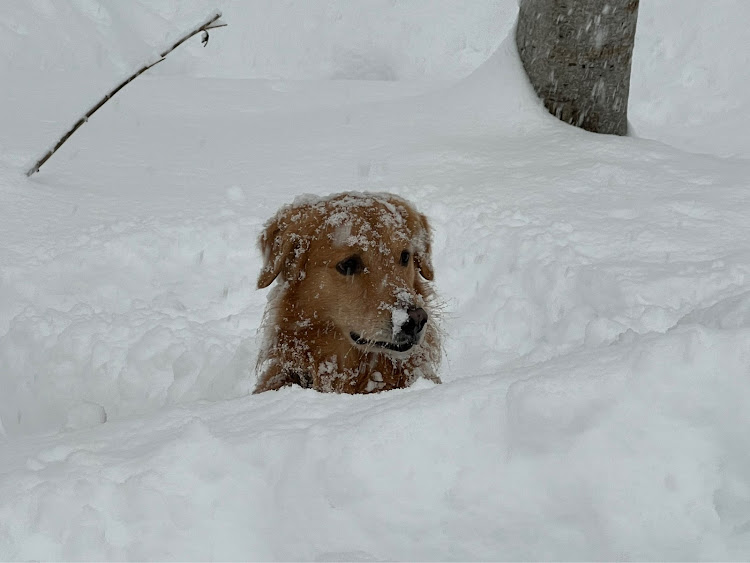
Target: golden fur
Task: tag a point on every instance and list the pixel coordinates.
(318, 307)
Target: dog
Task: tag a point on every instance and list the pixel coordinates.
(352, 310)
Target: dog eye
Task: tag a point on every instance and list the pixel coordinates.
(350, 266)
(405, 257)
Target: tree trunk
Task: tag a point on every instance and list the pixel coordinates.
(577, 54)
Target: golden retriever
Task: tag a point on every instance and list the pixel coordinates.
(351, 312)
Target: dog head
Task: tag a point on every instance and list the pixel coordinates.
(354, 263)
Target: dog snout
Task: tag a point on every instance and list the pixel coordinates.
(417, 318)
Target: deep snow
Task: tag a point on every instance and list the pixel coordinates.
(597, 304)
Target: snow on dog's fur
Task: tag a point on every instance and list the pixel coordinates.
(351, 312)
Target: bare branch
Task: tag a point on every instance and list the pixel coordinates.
(203, 27)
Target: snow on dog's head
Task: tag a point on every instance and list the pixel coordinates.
(351, 310)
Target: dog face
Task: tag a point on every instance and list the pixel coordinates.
(354, 264)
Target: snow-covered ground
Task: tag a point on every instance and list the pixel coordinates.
(596, 289)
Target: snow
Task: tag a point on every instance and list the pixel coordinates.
(398, 318)
(690, 88)
(596, 297)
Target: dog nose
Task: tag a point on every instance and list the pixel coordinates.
(415, 323)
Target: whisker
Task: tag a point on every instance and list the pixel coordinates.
(349, 350)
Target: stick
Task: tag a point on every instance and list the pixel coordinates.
(203, 27)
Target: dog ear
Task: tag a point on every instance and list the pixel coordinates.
(284, 248)
(423, 254)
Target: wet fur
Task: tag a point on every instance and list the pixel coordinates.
(313, 307)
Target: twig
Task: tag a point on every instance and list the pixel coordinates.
(203, 27)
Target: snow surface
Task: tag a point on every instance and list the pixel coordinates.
(597, 299)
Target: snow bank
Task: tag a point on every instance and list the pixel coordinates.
(691, 75)
(635, 452)
(689, 80)
(371, 40)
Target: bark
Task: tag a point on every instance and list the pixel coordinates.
(577, 55)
